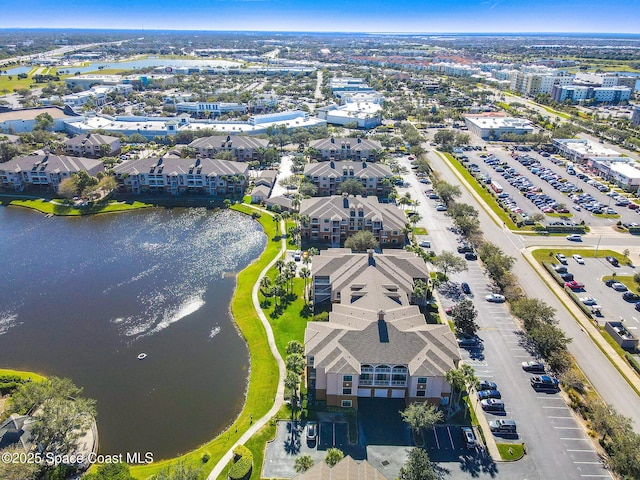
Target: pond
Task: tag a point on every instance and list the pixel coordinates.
(83, 297)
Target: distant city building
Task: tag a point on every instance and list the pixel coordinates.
(635, 118)
(329, 176)
(213, 109)
(333, 219)
(578, 150)
(492, 126)
(359, 114)
(85, 82)
(243, 148)
(346, 148)
(580, 93)
(344, 84)
(44, 171)
(92, 145)
(177, 176)
(24, 120)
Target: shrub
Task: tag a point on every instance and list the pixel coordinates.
(243, 463)
(205, 458)
(321, 317)
(633, 362)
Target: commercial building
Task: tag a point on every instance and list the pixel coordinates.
(92, 145)
(363, 115)
(329, 176)
(578, 150)
(611, 95)
(333, 219)
(376, 342)
(44, 171)
(492, 126)
(24, 120)
(346, 149)
(626, 176)
(635, 118)
(213, 109)
(175, 176)
(244, 148)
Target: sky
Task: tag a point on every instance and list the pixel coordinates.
(455, 16)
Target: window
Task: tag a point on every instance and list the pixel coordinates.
(347, 378)
(422, 380)
(421, 393)
(346, 391)
(346, 403)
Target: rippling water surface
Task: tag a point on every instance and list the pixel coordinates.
(82, 297)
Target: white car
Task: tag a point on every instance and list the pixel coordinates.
(620, 287)
(578, 258)
(588, 300)
(441, 207)
(574, 237)
(495, 297)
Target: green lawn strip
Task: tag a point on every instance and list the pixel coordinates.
(547, 254)
(257, 444)
(554, 112)
(48, 207)
(489, 200)
(420, 231)
(511, 451)
(557, 215)
(263, 379)
(22, 374)
(606, 215)
(626, 280)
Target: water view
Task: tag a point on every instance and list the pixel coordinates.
(82, 297)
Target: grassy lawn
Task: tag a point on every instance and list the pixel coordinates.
(263, 380)
(547, 254)
(626, 280)
(489, 199)
(511, 451)
(554, 112)
(606, 215)
(257, 445)
(48, 207)
(420, 231)
(558, 215)
(23, 375)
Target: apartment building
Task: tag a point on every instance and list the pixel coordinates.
(44, 171)
(376, 342)
(346, 149)
(92, 145)
(244, 148)
(328, 176)
(333, 219)
(176, 176)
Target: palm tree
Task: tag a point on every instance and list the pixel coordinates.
(305, 273)
(279, 265)
(277, 218)
(291, 384)
(419, 290)
(265, 285)
(456, 379)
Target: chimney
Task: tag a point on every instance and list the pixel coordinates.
(359, 140)
(332, 165)
(333, 140)
(364, 164)
(372, 261)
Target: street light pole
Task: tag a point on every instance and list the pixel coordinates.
(597, 246)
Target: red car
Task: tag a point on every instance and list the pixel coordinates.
(573, 285)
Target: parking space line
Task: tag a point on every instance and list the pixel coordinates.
(436, 435)
(576, 439)
(598, 476)
(568, 428)
(451, 439)
(568, 418)
(578, 450)
(564, 406)
(589, 463)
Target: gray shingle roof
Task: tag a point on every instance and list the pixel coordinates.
(345, 469)
(51, 163)
(180, 166)
(90, 139)
(229, 141)
(360, 169)
(355, 143)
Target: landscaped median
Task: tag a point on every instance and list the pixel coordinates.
(59, 207)
(263, 379)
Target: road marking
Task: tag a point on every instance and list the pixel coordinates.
(564, 406)
(436, 435)
(451, 439)
(598, 476)
(589, 463)
(576, 439)
(568, 428)
(569, 418)
(593, 451)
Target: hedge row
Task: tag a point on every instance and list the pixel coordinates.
(633, 362)
(586, 310)
(243, 463)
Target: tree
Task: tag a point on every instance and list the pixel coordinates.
(291, 384)
(178, 472)
(361, 241)
(449, 262)
(303, 463)
(447, 191)
(20, 470)
(276, 219)
(352, 187)
(444, 137)
(420, 415)
(60, 422)
(31, 395)
(532, 311)
(464, 318)
(418, 467)
(307, 189)
(334, 455)
(68, 187)
(636, 279)
(458, 209)
(305, 274)
(265, 285)
(44, 121)
(295, 363)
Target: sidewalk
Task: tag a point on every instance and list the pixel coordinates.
(279, 400)
(490, 440)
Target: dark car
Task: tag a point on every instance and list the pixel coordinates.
(610, 282)
(566, 276)
(533, 367)
(631, 297)
(485, 394)
(464, 286)
(544, 382)
(468, 341)
(637, 307)
(487, 385)
(312, 433)
(470, 256)
(464, 249)
(613, 261)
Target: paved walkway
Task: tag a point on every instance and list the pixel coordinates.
(279, 400)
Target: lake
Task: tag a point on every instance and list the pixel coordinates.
(82, 297)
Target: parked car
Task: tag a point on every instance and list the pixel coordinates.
(487, 385)
(637, 307)
(613, 261)
(469, 437)
(441, 207)
(468, 342)
(588, 300)
(485, 394)
(312, 432)
(425, 244)
(610, 282)
(574, 237)
(544, 382)
(502, 425)
(464, 286)
(495, 297)
(573, 285)
(631, 297)
(532, 366)
(578, 258)
(566, 276)
(619, 287)
(464, 249)
(561, 258)
(470, 256)
(492, 405)
(297, 255)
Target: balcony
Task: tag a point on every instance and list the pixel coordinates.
(365, 383)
